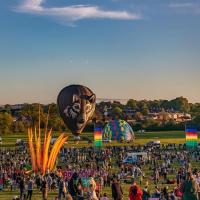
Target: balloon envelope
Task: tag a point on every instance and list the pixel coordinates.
(118, 130)
(76, 105)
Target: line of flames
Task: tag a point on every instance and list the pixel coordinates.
(43, 158)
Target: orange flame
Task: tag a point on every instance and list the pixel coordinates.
(41, 159)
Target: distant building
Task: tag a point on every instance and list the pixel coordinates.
(167, 116)
(129, 112)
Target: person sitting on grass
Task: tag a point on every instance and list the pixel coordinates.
(104, 197)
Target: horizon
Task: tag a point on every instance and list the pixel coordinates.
(99, 100)
(119, 49)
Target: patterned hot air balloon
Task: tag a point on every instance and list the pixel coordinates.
(118, 130)
(76, 105)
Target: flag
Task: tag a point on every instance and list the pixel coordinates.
(191, 138)
(98, 137)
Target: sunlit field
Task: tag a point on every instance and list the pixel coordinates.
(177, 137)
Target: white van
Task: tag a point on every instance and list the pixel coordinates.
(133, 158)
(19, 142)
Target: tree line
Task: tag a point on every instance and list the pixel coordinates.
(28, 116)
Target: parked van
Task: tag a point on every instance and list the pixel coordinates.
(133, 158)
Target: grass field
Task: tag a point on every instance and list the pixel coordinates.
(141, 138)
(9, 140)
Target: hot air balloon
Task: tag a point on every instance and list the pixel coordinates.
(118, 130)
(76, 105)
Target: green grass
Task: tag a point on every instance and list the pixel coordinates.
(141, 138)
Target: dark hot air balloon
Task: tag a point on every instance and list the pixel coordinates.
(76, 105)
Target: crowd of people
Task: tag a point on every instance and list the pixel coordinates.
(168, 173)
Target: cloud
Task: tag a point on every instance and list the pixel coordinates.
(74, 13)
(186, 7)
(181, 5)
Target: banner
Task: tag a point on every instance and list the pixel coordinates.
(191, 138)
(98, 137)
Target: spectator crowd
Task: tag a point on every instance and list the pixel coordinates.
(168, 173)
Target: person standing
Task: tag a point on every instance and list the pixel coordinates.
(30, 189)
(197, 179)
(156, 176)
(61, 189)
(44, 189)
(21, 187)
(190, 188)
(146, 193)
(38, 181)
(135, 192)
(92, 189)
(49, 182)
(80, 190)
(72, 186)
(117, 192)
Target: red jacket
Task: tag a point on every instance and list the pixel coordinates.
(137, 195)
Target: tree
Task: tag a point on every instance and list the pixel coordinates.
(180, 104)
(195, 109)
(31, 112)
(117, 112)
(154, 105)
(138, 116)
(165, 104)
(150, 123)
(6, 121)
(18, 127)
(117, 104)
(132, 104)
(145, 109)
(7, 108)
(54, 121)
(196, 120)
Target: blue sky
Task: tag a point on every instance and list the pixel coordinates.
(141, 49)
